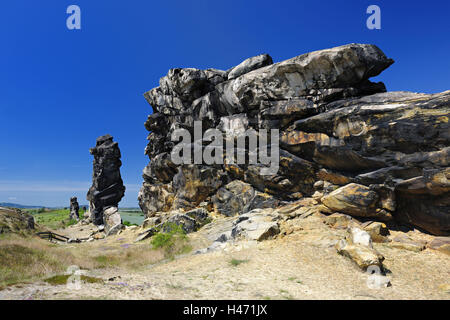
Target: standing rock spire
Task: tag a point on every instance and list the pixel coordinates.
(107, 186)
(74, 208)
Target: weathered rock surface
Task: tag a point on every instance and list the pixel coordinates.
(112, 220)
(406, 243)
(74, 208)
(249, 65)
(256, 225)
(15, 221)
(441, 244)
(356, 200)
(107, 186)
(380, 155)
(358, 247)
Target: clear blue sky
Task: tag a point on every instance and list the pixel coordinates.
(60, 89)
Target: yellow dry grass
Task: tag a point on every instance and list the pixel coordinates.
(28, 259)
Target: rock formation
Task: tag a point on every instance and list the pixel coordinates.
(107, 186)
(358, 149)
(74, 207)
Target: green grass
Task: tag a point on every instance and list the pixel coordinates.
(172, 239)
(62, 279)
(53, 219)
(236, 262)
(20, 263)
(105, 261)
(28, 259)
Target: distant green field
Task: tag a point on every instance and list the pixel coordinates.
(59, 218)
(53, 219)
(133, 216)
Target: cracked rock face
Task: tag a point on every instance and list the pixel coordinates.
(385, 154)
(107, 186)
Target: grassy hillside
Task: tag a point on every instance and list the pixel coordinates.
(53, 219)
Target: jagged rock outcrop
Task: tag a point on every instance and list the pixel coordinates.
(376, 154)
(107, 186)
(74, 208)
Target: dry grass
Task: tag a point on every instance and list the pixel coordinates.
(30, 259)
(27, 259)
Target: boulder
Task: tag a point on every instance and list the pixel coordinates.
(405, 242)
(363, 256)
(358, 247)
(112, 221)
(441, 244)
(356, 200)
(359, 237)
(340, 221)
(378, 231)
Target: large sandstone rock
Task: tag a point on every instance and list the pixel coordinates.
(388, 151)
(107, 186)
(356, 200)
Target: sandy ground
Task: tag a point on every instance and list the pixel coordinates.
(301, 265)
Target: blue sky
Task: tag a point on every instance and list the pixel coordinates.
(60, 89)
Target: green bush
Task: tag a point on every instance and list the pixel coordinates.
(172, 238)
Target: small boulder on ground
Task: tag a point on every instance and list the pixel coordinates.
(358, 247)
(405, 242)
(441, 244)
(378, 231)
